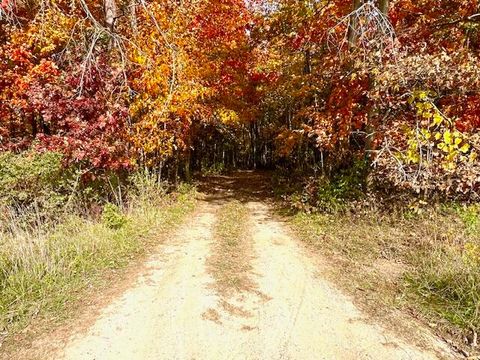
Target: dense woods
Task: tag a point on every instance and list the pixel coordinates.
(176, 86)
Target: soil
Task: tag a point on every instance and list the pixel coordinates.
(172, 310)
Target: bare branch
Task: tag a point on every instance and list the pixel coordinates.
(367, 30)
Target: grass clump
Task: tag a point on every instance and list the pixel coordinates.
(446, 281)
(447, 285)
(112, 217)
(428, 259)
(44, 267)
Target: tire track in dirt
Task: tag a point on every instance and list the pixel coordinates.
(160, 315)
(175, 312)
(307, 317)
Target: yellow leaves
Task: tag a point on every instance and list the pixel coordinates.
(412, 156)
(287, 140)
(436, 136)
(447, 137)
(426, 134)
(465, 148)
(422, 95)
(227, 117)
(420, 108)
(427, 115)
(48, 33)
(437, 119)
(151, 139)
(452, 146)
(473, 156)
(444, 147)
(139, 57)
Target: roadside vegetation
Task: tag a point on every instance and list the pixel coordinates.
(404, 253)
(58, 236)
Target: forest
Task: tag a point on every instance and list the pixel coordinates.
(172, 87)
(360, 110)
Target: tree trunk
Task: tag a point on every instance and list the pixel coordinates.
(352, 28)
(188, 173)
(110, 14)
(307, 69)
(254, 136)
(383, 6)
(175, 170)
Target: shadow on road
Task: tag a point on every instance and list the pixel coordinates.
(243, 186)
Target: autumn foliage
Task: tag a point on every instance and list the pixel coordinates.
(167, 85)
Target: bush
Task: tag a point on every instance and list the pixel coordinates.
(215, 169)
(113, 217)
(34, 187)
(325, 193)
(32, 177)
(348, 184)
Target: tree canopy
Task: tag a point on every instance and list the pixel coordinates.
(166, 85)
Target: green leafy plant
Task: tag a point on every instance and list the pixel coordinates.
(113, 217)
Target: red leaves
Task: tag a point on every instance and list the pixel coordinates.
(5, 4)
(40, 107)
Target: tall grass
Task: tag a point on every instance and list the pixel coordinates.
(446, 279)
(436, 249)
(44, 266)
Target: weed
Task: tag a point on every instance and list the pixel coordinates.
(112, 216)
(42, 269)
(438, 247)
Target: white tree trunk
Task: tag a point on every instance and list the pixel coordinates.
(110, 14)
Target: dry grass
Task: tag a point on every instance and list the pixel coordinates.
(43, 269)
(230, 262)
(424, 261)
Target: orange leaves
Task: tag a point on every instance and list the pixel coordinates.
(46, 70)
(47, 34)
(286, 141)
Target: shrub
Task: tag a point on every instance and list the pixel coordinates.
(113, 217)
(325, 193)
(32, 177)
(34, 187)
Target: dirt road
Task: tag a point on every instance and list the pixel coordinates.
(173, 311)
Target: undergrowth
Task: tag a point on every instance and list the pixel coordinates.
(416, 255)
(45, 263)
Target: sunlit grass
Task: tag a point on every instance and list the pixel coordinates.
(437, 250)
(43, 269)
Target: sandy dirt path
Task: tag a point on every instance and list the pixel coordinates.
(173, 311)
